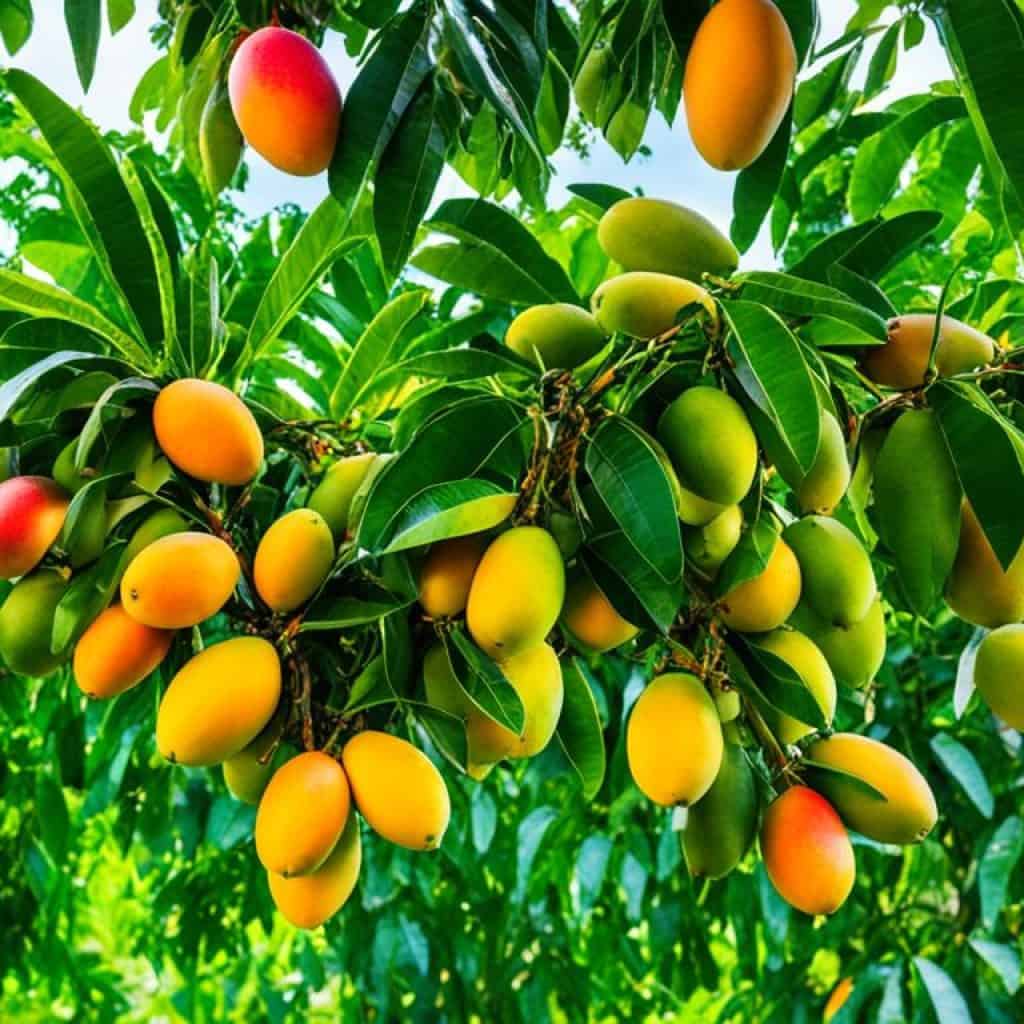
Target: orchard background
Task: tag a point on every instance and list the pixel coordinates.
(128, 886)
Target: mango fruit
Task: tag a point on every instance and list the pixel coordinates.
(64, 472)
(979, 590)
(26, 623)
(666, 238)
(708, 546)
(246, 774)
(765, 602)
(219, 702)
(804, 657)
(208, 432)
(302, 814)
(739, 81)
(293, 559)
(903, 360)
(135, 451)
(855, 653)
(807, 851)
(595, 71)
(999, 673)
(332, 497)
(116, 653)
(397, 790)
(822, 487)
(556, 336)
(838, 580)
(220, 141)
(837, 999)
(908, 812)
(711, 444)
(32, 511)
(674, 740)
(285, 100)
(161, 523)
(590, 619)
(87, 540)
(307, 901)
(917, 506)
(721, 825)
(179, 580)
(645, 305)
(447, 575)
(517, 592)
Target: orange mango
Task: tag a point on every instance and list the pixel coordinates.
(116, 652)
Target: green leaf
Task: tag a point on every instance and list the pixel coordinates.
(861, 290)
(886, 243)
(15, 24)
(602, 196)
(51, 811)
(988, 453)
(962, 765)
(771, 369)
(949, 1005)
(996, 868)
(483, 819)
(119, 13)
(13, 390)
(446, 732)
(484, 683)
(374, 350)
(777, 682)
(879, 161)
(83, 21)
(334, 613)
(815, 263)
(757, 185)
(751, 555)
(89, 592)
(818, 94)
(579, 728)
(529, 836)
(628, 475)
(496, 257)
(883, 62)
(1002, 958)
(804, 24)
(964, 688)
(854, 781)
(230, 822)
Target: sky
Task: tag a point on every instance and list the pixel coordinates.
(674, 171)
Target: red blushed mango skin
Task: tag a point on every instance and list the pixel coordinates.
(285, 100)
(807, 852)
(32, 511)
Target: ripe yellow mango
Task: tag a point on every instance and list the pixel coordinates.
(674, 740)
(517, 592)
(447, 575)
(855, 654)
(807, 851)
(803, 656)
(161, 523)
(837, 999)
(722, 824)
(115, 653)
(711, 444)
(219, 702)
(825, 483)
(590, 619)
(739, 80)
(999, 673)
(246, 775)
(208, 432)
(557, 336)
(293, 559)
(665, 237)
(903, 360)
(26, 623)
(645, 305)
(179, 580)
(908, 812)
(708, 546)
(838, 580)
(307, 901)
(302, 814)
(766, 601)
(333, 496)
(978, 589)
(397, 790)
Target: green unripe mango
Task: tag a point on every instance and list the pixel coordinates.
(590, 82)
(645, 305)
(822, 487)
(86, 542)
(917, 506)
(135, 451)
(838, 581)
(65, 473)
(557, 336)
(333, 496)
(999, 673)
(803, 656)
(855, 654)
(711, 444)
(220, 141)
(708, 546)
(625, 130)
(908, 812)
(721, 825)
(659, 235)
(161, 523)
(26, 624)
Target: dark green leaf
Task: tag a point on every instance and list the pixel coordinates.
(962, 765)
(83, 21)
(579, 728)
(484, 683)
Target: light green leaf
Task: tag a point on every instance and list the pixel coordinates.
(962, 765)
(946, 999)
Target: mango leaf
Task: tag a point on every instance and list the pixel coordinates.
(529, 836)
(886, 243)
(779, 683)
(996, 868)
(962, 766)
(602, 196)
(16, 24)
(831, 249)
(988, 453)
(13, 390)
(627, 474)
(818, 94)
(484, 358)
(83, 21)
(750, 556)
(109, 404)
(861, 290)
(757, 185)
(865, 787)
(883, 62)
(333, 613)
(879, 161)
(484, 683)
(230, 822)
(496, 257)
(579, 728)
(1002, 958)
(51, 811)
(949, 1005)
(804, 24)
(964, 687)
(446, 732)
(771, 369)
(89, 592)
